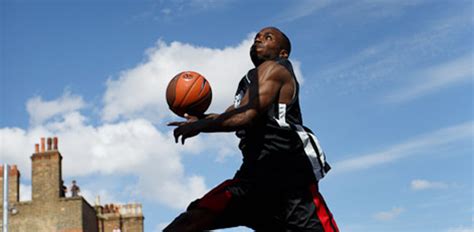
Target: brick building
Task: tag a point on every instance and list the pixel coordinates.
(50, 211)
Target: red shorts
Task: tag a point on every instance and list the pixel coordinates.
(243, 203)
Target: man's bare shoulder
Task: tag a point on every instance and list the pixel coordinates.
(272, 70)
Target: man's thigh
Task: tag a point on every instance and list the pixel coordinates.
(224, 206)
(195, 220)
(305, 210)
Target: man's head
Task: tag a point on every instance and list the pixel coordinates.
(269, 44)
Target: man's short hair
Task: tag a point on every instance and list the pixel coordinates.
(286, 44)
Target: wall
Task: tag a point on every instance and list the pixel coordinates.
(64, 215)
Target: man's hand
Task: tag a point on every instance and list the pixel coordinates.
(189, 119)
(185, 129)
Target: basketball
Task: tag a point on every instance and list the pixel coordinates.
(188, 92)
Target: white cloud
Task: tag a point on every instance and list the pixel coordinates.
(140, 91)
(165, 10)
(461, 229)
(40, 110)
(132, 147)
(422, 144)
(101, 196)
(208, 4)
(369, 9)
(425, 184)
(396, 58)
(302, 9)
(224, 152)
(389, 215)
(435, 78)
(16, 146)
(25, 192)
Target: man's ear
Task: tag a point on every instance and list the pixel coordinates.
(284, 53)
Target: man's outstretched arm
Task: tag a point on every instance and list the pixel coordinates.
(261, 94)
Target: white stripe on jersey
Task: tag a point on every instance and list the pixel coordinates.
(281, 120)
(322, 155)
(238, 99)
(315, 154)
(238, 96)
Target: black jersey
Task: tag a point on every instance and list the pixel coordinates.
(277, 144)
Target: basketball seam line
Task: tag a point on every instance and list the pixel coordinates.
(203, 85)
(187, 92)
(201, 101)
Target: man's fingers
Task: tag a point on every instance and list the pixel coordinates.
(176, 135)
(190, 118)
(182, 139)
(185, 131)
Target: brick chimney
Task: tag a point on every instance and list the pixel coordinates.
(13, 184)
(46, 171)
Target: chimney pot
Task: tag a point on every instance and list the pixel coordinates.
(50, 141)
(36, 148)
(55, 143)
(42, 144)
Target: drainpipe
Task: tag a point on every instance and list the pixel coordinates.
(5, 198)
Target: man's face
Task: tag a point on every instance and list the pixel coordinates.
(266, 46)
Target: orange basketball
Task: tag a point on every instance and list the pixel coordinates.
(188, 92)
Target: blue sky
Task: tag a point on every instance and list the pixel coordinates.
(386, 85)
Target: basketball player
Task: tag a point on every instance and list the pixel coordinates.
(276, 187)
